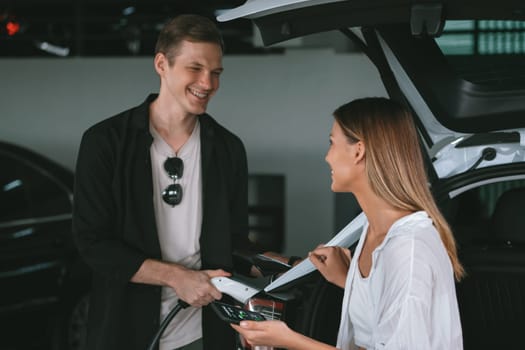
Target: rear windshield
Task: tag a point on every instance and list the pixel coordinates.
(486, 52)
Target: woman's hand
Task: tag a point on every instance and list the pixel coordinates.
(332, 263)
(268, 333)
(277, 334)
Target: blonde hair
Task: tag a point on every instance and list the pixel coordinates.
(394, 162)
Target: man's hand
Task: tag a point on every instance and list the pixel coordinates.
(195, 287)
(192, 286)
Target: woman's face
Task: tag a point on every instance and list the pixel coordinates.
(341, 158)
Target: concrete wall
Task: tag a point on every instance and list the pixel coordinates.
(280, 105)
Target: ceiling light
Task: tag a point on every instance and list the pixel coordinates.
(52, 49)
(12, 27)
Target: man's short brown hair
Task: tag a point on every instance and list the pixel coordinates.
(190, 27)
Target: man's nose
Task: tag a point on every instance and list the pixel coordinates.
(206, 80)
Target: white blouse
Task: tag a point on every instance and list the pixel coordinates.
(412, 291)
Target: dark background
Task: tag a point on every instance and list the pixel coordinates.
(106, 27)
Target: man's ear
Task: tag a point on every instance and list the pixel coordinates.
(160, 63)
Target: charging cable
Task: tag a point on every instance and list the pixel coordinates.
(236, 289)
(180, 305)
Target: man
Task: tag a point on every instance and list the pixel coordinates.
(161, 203)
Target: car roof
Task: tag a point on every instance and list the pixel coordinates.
(34, 159)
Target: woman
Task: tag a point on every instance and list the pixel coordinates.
(399, 285)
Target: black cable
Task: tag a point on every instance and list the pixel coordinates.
(488, 153)
(180, 305)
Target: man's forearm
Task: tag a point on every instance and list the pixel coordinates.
(157, 272)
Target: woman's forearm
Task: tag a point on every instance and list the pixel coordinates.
(301, 342)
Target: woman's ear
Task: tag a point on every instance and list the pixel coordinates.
(360, 151)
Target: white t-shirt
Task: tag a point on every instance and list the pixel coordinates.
(412, 301)
(179, 230)
(359, 308)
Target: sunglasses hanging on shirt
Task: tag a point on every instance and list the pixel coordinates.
(174, 167)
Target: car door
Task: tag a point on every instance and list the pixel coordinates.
(36, 243)
(399, 37)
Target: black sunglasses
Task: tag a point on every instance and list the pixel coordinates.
(172, 195)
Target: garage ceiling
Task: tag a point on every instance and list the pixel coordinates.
(105, 27)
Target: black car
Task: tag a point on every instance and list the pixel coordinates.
(460, 66)
(44, 284)
(44, 294)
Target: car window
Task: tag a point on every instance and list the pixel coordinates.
(28, 192)
(485, 51)
(474, 217)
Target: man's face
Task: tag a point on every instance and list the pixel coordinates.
(193, 78)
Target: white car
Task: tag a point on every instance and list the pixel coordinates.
(460, 66)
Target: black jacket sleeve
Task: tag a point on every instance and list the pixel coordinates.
(95, 210)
